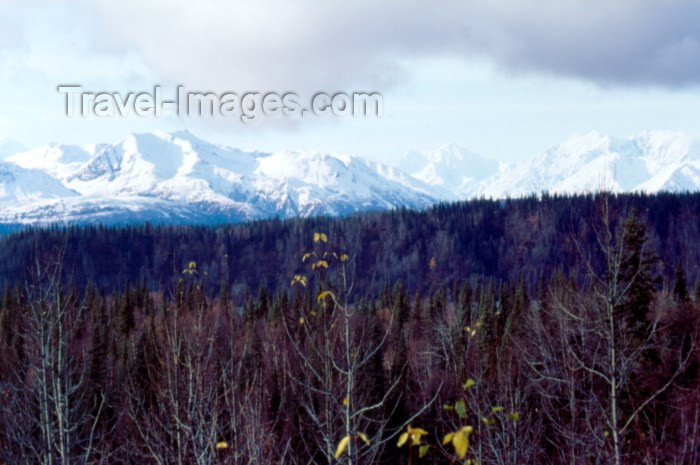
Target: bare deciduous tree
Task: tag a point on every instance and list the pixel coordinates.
(602, 337)
(50, 420)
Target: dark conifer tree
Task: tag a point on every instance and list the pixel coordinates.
(126, 324)
(400, 306)
(636, 276)
(262, 306)
(680, 286)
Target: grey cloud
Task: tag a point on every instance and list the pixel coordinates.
(332, 45)
(619, 42)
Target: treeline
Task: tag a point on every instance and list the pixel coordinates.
(504, 240)
(593, 358)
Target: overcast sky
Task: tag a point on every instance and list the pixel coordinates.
(506, 79)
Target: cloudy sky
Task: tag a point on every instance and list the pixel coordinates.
(506, 79)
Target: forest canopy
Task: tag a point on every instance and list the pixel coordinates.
(552, 330)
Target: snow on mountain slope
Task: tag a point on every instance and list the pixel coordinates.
(56, 160)
(115, 211)
(450, 168)
(21, 186)
(336, 184)
(176, 167)
(179, 178)
(152, 173)
(651, 162)
(395, 174)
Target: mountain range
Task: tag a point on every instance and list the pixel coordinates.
(179, 178)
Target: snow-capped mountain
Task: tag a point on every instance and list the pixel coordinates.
(23, 186)
(58, 161)
(651, 162)
(9, 147)
(179, 178)
(450, 168)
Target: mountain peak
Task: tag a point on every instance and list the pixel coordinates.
(178, 177)
(451, 148)
(159, 174)
(21, 187)
(9, 147)
(449, 167)
(650, 162)
(581, 143)
(57, 160)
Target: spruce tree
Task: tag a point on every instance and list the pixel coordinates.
(680, 286)
(636, 276)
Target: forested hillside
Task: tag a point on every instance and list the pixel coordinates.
(504, 240)
(560, 330)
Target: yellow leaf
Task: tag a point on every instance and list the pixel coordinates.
(345, 401)
(301, 320)
(460, 441)
(497, 409)
(319, 264)
(364, 437)
(222, 445)
(191, 268)
(324, 238)
(325, 294)
(447, 439)
(423, 450)
(469, 383)
(515, 416)
(320, 237)
(416, 434)
(342, 445)
(344, 257)
(306, 255)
